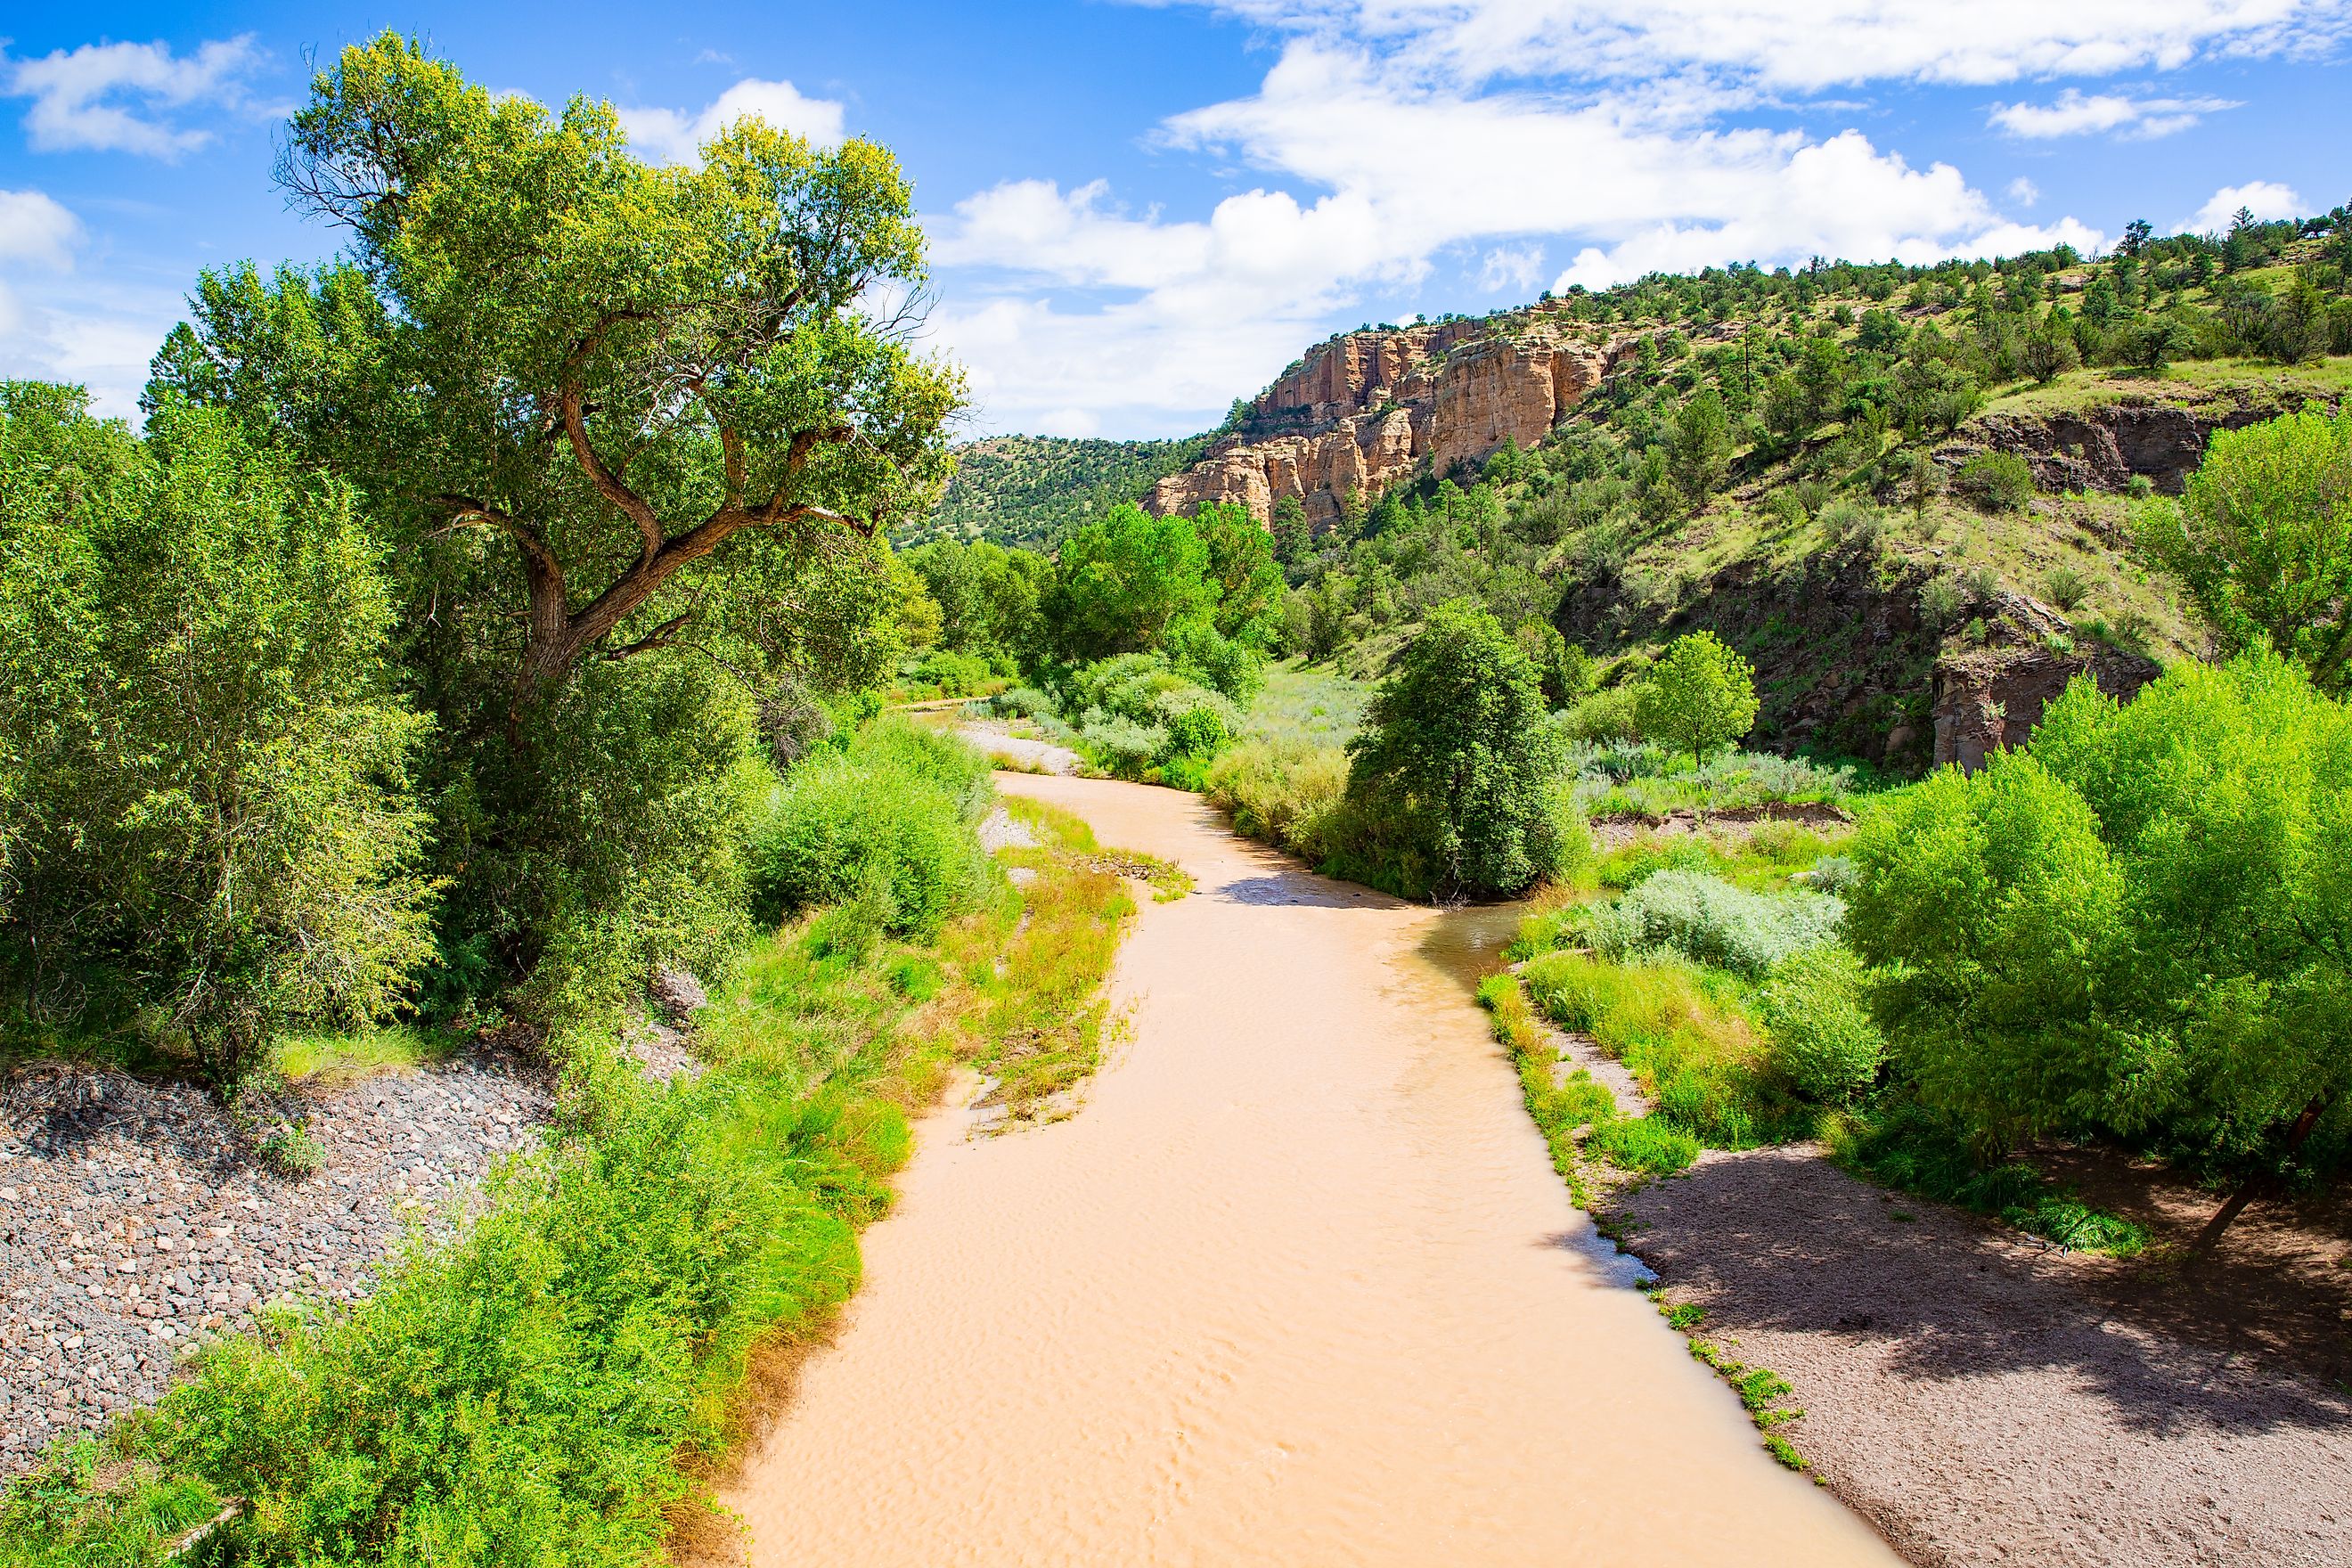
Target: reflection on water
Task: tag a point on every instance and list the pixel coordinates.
(1467, 943)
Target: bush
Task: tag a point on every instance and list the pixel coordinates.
(1610, 717)
(206, 805)
(1823, 1034)
(890, 820)
(1996, 481)
(1711, 921)
(1941, 601)
(2066, 587)
(955, 674)
(1854, 523)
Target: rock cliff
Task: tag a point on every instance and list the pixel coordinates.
(1362, 410)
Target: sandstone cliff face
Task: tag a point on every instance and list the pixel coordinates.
(1360, 412)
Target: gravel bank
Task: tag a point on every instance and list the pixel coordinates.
(1984, 1401)
(135, 1220)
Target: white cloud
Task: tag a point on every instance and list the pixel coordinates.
(1785, 44)
(1518, 266)
(36, 231)
(2023, 192)
(674, 136)
(110, 97)
(1063, 299)
(2266, 199)
(2075, 113)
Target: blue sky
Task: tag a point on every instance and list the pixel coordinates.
(1141, 211)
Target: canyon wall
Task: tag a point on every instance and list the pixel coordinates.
(1362, 410)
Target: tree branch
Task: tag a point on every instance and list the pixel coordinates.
(658, 638)
(573, 402)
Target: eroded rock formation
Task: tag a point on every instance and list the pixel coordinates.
(1362, 411)
(1987, 699)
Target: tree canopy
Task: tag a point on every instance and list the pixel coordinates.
(618, 368)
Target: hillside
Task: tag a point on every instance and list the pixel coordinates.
(1905, 493)
(1029, 490)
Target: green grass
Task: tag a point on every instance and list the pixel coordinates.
(1304, 701)
(1685, 1033)
(341, 1058)
(1901, 1144)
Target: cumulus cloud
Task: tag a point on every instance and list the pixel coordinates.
(675, 136)
(1622, 135)
(2266, 199)
(36, 231)
(2075, 113)
(57, 324)
(1065, 300)
(117, 96)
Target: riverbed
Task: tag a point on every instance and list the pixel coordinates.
(1296, 1285)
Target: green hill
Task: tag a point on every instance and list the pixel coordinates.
(1031, 489)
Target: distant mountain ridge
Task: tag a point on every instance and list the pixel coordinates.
(1031, 489)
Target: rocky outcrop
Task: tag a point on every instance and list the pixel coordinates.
(2103, 448)
(1362, 411)
(1988, 698)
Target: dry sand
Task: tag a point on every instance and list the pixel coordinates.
(1297, 1287)
(1986, 1401)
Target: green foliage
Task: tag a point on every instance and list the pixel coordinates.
(1030, 491)
(2137, 927)
(1120, 584)
(1564, 669)
(1282, 790)
(208, 809)
(1905, 1145)
(889, 821)
(1816, 1010)
(2262, 540)
(1685, 1036)
(1646, 1144)
(1457, 776)
(1701, 695)
(988, 597)
(1699, 452)
(1710, 921)
(1996, 481)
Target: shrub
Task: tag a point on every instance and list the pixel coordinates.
(1941, 601)
(1823, 1034)
(1604, 717)
(204, 792)
(1712, 922)
(955, 674)
(1854, 523)
(1996, 481)
(2066, 587)
(890, 820)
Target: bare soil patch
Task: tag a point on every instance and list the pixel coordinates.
(1983, 1398)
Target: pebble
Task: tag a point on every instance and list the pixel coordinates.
(135, 1221)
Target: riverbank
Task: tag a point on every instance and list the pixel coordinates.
(1296, 1285)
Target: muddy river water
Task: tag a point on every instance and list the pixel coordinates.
(1297, 1285)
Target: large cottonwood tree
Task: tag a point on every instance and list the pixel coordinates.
(664, 388)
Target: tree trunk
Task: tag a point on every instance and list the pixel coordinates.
(2235, 1205)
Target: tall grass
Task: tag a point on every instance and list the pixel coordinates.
(1685, 1036)
(1286, 791)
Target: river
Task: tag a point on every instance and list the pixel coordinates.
(1297, 1285)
